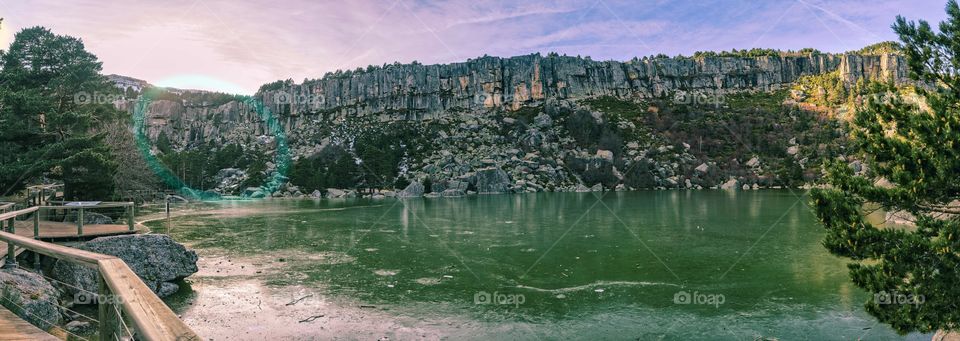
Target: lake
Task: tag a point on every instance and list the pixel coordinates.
(692, 265)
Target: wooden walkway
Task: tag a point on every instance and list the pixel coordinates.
(12, 327)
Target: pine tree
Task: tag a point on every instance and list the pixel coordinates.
(49, 106)
(913, 155)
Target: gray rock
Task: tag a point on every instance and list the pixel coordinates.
(453, 193)
(414, 189)
(78, 327)
(335, 193)
(542, 120)
(605, 155)
(316, 194)
(31, 297)
(492, 180)
(155, 258)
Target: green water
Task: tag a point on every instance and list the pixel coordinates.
(565, 265)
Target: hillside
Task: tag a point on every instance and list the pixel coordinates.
(522, 124)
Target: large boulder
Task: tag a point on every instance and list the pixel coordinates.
(492, 180)
(31, 297)
(156, 258)
(335, 193)
(414, 189)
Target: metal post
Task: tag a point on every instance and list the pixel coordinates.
(36, 235)
(80, 222)
(130, 217)
(11, 249)
(109, 319)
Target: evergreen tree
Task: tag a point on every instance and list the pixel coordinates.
(49, 105)
(915, 147)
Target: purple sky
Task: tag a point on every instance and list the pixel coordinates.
(236, 46)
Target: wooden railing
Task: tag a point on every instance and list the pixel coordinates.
(121, 292)
(59, 205)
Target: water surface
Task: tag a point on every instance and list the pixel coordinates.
(563, 265)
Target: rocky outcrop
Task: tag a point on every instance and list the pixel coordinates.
(415, 91)
(31, 297)
(414, 189)
(492, 180)
(157, 259)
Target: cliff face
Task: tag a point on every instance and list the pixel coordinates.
(414, 91)
(485, 116)
(427, 91)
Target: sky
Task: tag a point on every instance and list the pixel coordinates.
(236, 46)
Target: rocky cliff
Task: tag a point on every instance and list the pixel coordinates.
(423, 91)
(511, 117)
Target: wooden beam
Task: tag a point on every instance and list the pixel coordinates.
(152, 318)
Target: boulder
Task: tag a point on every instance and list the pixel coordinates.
(702, 168)
(605, 155)
(156, 258)
(542, 120)
(730, 184)
(451, 192)
(457, 185)
(31, 297)
(316, 194)
(335, 193)
(753, 162)
(414, 189)
(492, 180)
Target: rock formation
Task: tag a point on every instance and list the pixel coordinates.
(156, 258)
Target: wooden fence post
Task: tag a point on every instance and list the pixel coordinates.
(80, 222)
(109, 320)
(11, 261)
(130, 217)
(36, 235)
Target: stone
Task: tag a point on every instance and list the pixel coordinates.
(414, 189)
(730, 184)
(492, 180)
(542, 120)
(316, 194)
(335, 193)
(792, 150)
(597, 188)
(702, 168)
(155, 258)
(605, 155)
(31, 297)
(458, 185)
(78, 327)
(452, 193)
(753, 162)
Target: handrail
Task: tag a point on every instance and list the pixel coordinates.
(119, 287)
(107, 204)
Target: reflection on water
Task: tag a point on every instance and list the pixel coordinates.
(674, 264)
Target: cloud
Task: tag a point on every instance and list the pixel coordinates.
(254, 42)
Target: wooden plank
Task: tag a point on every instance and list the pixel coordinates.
(152, 318)
(9, 215)
(81, 257)
(12, 327)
